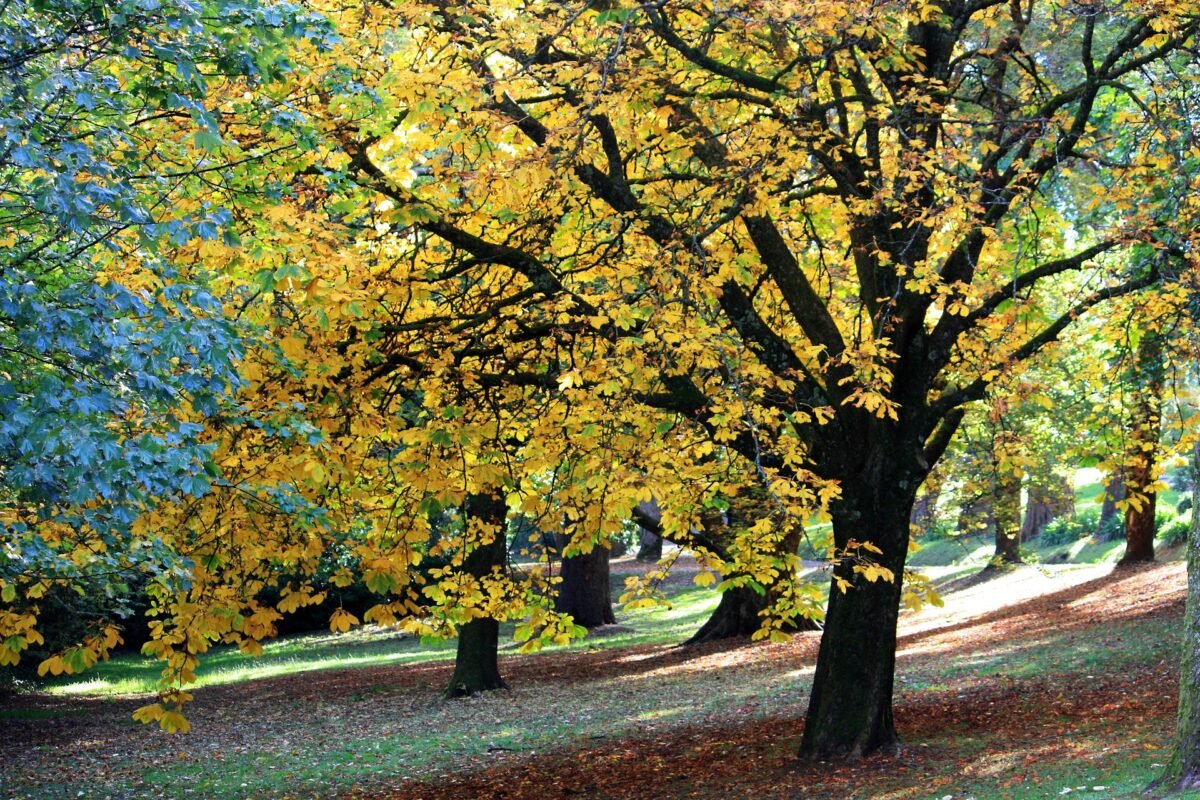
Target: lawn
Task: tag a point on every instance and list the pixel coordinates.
(1041, 682)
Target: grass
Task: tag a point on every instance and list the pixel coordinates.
(973, 550)
(129, 674)
(312, 735)
(317, 716)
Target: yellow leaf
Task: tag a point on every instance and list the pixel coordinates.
(150, 713)
(342, 620)
(174, 722)
(54, 665)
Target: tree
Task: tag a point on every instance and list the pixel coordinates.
(476, 668)
(1048, 499)
(585, 591)
(1182, 772)
(114, 354)
(1141, 461)
(795, 235)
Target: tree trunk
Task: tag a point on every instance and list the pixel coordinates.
(1143, 453)
(741, 610)
(476, 663)
(1007, 517)
(650, 546)
(739, 614)
(1047, 502)
(976, 514)
(850, 710)
(1182, 772)
(1114, 491)
(585, 591)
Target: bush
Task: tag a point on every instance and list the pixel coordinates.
(1176, 531)
(1065, 530)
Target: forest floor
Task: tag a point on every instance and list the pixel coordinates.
(1038, 682)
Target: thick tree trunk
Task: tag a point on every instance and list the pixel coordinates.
(650, 546)
(1182, 772)
(476, 663)
(1139, 528)
(739, 614)
(585, 591)
(1143, 453)
(850, 710)
(741, 610)
(1007, 517)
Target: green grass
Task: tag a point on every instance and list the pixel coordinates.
(130, 674)
(375, 735)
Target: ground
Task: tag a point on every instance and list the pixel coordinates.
(1041, 682)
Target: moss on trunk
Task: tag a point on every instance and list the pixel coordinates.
(1183, 770)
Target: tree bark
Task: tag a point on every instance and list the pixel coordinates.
(585, 591)
(1182, 772)
(650, 546)
(476, 662)
(1007, 517)
(739, 614)
(1143, 452)
(1047, 502)
(850, 710)
(1114, 491)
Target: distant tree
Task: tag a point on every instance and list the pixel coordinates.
(1049, 497)
(585, 591)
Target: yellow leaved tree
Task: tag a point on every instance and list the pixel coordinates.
(799, 237)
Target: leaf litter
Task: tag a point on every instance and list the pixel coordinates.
(994, 689)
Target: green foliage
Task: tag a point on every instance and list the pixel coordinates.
(1175, 532)
(1065, 530)
(114, 353)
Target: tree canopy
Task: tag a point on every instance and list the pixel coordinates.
(582, 256)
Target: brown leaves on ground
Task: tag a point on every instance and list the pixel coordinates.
(985, 692)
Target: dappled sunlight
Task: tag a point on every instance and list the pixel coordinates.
(96, 686)
(998, 681)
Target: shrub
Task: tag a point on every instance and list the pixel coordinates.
(1176, 531)
(1065, 530)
